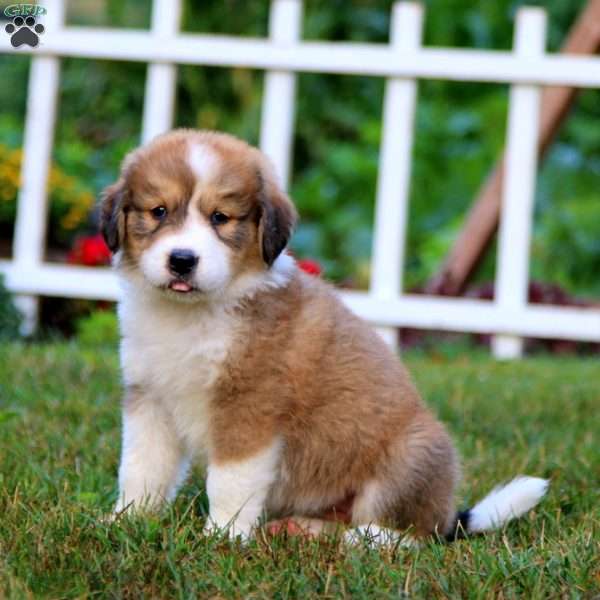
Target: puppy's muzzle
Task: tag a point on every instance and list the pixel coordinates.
(182, 262)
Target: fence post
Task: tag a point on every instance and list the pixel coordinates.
(32, 204)
(393, 184)
(161, 78)
(516, 217)
(277, 120)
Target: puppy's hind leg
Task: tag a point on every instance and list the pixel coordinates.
(306, 527)
(413, 494)
(370, 521)
(153, 463)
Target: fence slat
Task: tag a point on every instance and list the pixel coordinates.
(393, 185)
(516, 217)
(161, 78)
(32, 204)
(277, 120)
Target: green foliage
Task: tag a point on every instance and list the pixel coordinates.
(574, 227)
(459, 131)
(70, 197)
(59, 443)
(10, 317)
(100, 328)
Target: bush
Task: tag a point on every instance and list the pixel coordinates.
(100, 328)
(70, 200)
(10, 317)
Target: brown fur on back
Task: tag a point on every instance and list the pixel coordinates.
(313, 373)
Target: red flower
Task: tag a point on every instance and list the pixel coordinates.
(312, 267)
(91, 251)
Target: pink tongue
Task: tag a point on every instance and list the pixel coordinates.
(180, 286)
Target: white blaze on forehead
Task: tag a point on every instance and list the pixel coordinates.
(203, 161)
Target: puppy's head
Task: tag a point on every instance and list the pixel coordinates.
(193, 212)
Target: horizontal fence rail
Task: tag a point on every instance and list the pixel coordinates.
(402, 62)
(408, 310)
(321, 57)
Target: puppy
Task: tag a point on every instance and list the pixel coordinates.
(233, 357)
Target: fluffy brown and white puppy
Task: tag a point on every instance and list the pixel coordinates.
(233, 357)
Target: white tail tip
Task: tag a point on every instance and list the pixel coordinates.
(507, 502)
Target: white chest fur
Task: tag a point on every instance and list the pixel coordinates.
(175, 354)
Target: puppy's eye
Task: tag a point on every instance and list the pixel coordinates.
(218, 218)
(159, 212)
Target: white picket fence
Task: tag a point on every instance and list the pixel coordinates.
(402, 62)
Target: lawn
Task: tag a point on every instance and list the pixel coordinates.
(59, 446)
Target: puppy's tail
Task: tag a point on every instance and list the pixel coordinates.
(501, 505)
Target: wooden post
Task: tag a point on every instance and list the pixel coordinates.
(482, 221)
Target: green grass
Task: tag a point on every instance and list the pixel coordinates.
(59, 445)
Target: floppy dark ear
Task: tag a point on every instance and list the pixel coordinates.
(112, 214)
(277, 219)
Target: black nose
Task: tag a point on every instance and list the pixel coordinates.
(182, 262)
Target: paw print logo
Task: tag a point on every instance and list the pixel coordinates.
(24, 31)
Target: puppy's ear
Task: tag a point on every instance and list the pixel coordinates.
(277, 219)
(112, 214)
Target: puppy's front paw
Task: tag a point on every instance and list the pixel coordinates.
(108, 519)
(232, 530)
(115, 515)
